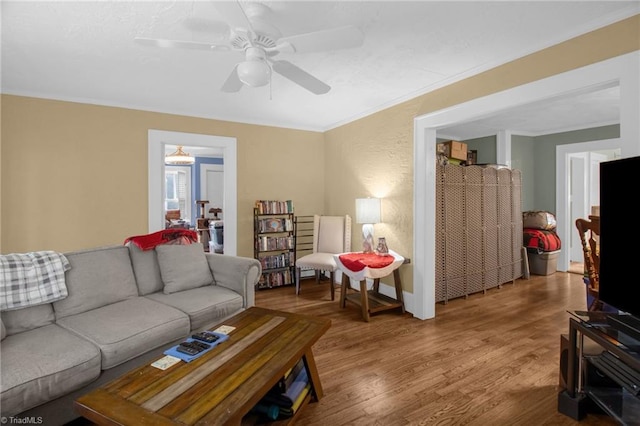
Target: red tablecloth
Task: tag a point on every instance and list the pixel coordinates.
(358, 261)
(360, 266)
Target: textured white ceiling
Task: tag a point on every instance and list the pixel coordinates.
(84, 51)
(600, 107)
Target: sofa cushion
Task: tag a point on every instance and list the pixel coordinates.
(183, 267)
(29, 318)
(97, 278)
(204, 305)
(126, 329)
(43, 364)
(3, 330)
(146, 269)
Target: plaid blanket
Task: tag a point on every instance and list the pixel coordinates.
(28, 279)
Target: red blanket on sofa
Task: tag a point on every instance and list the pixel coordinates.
(174, 236)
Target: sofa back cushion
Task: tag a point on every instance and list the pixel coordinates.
(25, 319)
(98, 277)
(146, 269)
(183, 267)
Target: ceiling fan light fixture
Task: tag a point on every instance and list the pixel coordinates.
(179, 158)
(255, 71)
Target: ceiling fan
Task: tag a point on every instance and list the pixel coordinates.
(260, 42)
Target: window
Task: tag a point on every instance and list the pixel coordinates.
(178, 190)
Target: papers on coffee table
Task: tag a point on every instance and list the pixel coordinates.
(166, 362)
(224, 329)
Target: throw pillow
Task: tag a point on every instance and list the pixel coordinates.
(183, 267)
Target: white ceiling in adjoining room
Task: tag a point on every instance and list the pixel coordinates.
(587, 109)
(84, 51)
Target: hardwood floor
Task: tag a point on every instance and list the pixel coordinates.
(490, 359)
(576, 268)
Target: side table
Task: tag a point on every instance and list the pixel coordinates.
(371, 301)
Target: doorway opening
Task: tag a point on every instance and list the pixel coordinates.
(159, 141)
(623, 69)
(577, 191)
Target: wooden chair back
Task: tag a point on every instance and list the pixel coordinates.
(589, 231)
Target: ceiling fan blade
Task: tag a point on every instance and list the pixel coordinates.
(233, 83)
(158, 42)
(300, 77)
(233, 13)
(317, 41)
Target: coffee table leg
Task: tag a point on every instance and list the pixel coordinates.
(314, 377)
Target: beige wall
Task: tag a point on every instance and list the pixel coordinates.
(67, 190)
(373, 157)
(66, 187)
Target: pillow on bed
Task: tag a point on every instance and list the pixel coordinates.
(183, 267)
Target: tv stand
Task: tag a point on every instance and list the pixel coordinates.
(618, 360)
(628, 324)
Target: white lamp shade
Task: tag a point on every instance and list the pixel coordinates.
(368, 210)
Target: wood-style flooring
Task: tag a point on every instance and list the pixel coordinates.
(576, 268)
(490, 359)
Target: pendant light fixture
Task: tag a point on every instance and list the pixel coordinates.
(179, 158)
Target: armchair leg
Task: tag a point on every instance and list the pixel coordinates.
(297, 281)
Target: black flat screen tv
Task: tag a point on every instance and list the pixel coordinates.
(619, 282)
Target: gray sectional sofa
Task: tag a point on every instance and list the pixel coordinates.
(124, 307)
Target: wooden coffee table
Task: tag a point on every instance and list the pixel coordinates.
(222, 385)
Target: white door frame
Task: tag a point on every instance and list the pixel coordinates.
(623, 69)
(577, 201)
(157, 139)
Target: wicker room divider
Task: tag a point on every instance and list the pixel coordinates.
(478, 229)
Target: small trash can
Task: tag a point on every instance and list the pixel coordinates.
(543, 263)
(216, 230)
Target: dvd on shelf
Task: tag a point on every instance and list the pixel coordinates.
(274, 207)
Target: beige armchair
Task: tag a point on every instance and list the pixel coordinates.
(331, 235)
